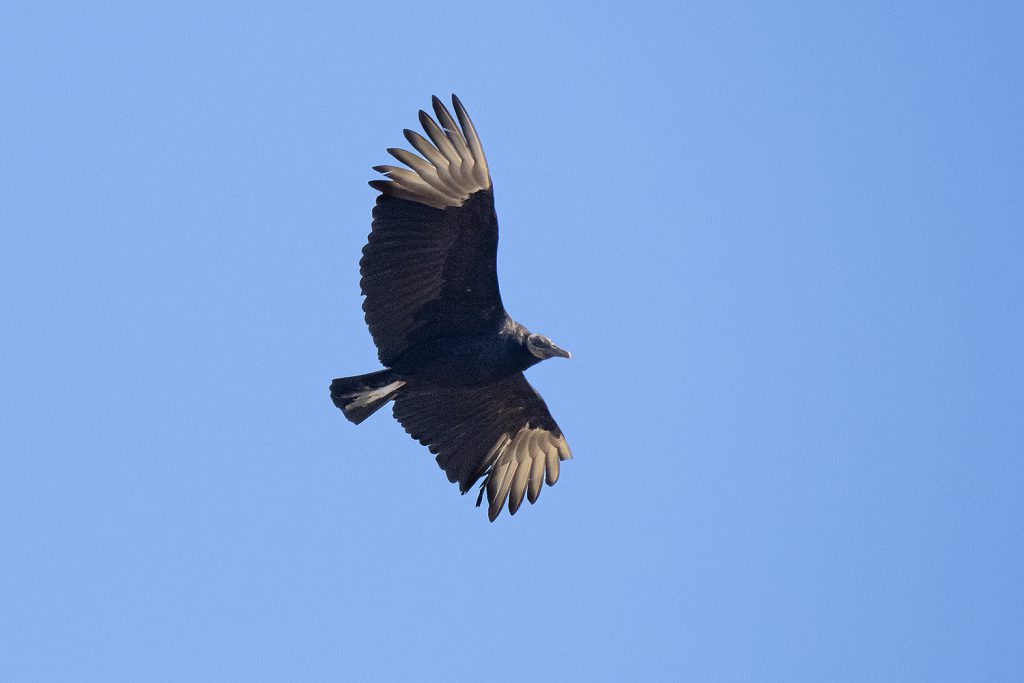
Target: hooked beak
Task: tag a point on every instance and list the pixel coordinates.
(555, 351)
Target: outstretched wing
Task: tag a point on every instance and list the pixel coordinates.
(502, 431)
(429, 266)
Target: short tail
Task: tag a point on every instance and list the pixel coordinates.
(360, 397)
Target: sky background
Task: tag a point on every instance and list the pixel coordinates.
(784, 244)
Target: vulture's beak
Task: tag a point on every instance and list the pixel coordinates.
(555, 351)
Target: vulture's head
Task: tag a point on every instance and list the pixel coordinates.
(543, 348)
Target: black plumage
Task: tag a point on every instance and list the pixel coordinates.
(454, 358)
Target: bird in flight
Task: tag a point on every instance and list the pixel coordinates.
(453, 357)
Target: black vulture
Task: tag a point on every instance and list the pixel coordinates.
(454, 358)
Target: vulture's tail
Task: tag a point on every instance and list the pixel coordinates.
(360, 397)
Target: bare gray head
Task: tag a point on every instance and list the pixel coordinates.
(543, 348)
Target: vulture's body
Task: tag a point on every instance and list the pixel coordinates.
(454, 358)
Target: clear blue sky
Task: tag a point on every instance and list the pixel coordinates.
(785, 246)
